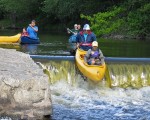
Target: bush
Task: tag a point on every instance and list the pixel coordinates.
(105, 22)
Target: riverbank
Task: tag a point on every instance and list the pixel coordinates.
(125, 36)
(62, 31)
(24, 88)
(6, 25)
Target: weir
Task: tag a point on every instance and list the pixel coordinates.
(125, 75)
(118, 74)
(107, 59)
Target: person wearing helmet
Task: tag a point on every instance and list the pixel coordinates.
(94, 56)
(85, 38)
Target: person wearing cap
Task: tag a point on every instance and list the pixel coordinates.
(94, 56)
(85, 38)
(32, 30)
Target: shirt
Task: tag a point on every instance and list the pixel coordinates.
(85, 36)
(32, 33)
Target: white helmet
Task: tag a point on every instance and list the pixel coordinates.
(86, 27)
(95, 43)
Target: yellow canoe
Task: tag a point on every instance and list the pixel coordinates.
(93, 72)
(10, 39)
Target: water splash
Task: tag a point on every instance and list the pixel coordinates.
(61, 70)
(74, 98)
(129, 75)
(85, 102)
(117, 75)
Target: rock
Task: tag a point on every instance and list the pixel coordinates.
(24, 88)
(114, 36)
(118, 36)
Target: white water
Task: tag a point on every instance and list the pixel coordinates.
(85, 102)
(76, 99)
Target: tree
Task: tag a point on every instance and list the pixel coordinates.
(105, 22)
(20, 9)
(70, 10)
(132, 16)
(138, 18)
(61, 10)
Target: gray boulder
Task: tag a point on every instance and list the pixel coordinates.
(24, 88)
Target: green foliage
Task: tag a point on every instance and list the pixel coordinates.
(138, 19)
(69, 10)
(50, 6)
(61, 9)
(20, 10)
(4, 23)
(130, 16)
(15, 6)
(105, 22)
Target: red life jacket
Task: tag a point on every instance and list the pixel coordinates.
(85, 44)
(25, 34)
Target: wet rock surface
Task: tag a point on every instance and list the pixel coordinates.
(24, 88)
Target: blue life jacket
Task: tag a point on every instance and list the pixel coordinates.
(95, 55)
(72, 39)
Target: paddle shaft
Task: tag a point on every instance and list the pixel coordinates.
(71, 31)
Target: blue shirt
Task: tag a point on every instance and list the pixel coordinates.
(85, 36)
(32, 33)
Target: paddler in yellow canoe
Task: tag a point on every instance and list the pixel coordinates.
(85, 38)
(94, 56)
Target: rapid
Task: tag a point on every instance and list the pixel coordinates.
(122, 95)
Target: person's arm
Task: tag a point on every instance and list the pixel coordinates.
(94, 37)
(34, 28)
(101, 57)
(68, 31)
(87, 56)
(77, 40)
(74, 32)
(28, 29)
(71, 31)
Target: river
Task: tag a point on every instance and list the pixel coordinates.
(56, 44)
(77, 99)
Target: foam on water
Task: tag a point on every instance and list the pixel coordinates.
(84, 102)
(73, 98)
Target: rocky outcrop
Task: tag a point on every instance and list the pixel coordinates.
(24, 88)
